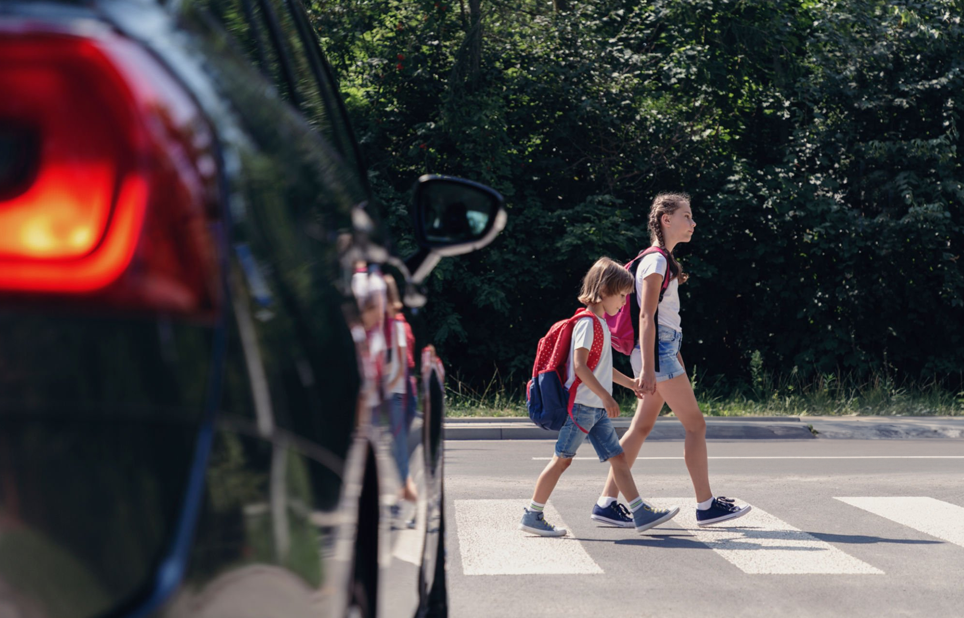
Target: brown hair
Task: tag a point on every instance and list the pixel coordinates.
(667, 204)
(605, 278)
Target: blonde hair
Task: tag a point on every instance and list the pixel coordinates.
(667, 204)
(605, 278)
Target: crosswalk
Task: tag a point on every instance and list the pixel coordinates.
(758, 544)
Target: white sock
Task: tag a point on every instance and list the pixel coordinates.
(605, 501)
(702, 506)
(636, 504)
(535, 506)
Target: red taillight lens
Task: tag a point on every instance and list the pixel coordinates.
(107, 179)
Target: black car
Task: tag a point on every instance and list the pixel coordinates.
(193, 416)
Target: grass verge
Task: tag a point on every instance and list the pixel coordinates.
(825, 395)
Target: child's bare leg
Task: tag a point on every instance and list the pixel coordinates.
(549, 477)
(678, 393)
(623, 477)
(632, 441)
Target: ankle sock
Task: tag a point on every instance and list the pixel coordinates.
(535, 506)
(605, 502)
(636, 504)
(702, 506)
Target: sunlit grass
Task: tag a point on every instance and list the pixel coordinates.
(768, 395)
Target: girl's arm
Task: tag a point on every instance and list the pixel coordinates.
(623, 380)
(647, 331)
(580, 365)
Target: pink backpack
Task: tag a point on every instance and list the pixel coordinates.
(623, 324)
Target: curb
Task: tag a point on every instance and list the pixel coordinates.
(734, 428)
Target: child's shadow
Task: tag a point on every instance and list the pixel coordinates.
(749, 534)
(668, 540)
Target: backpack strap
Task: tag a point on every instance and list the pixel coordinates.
(595, 355)
(634, 308)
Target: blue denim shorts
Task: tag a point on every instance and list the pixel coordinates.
(669, 345)
(601, 434)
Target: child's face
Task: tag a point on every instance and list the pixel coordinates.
(612, 304)
(680, 225)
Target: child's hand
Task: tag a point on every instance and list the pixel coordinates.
(647, 382)
(612, 408)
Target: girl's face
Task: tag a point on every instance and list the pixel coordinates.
(678, 227)
(612, 304)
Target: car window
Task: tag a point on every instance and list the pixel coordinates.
(312, 80)
(244, 21)
(275, 36)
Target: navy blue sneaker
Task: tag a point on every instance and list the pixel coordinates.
(722, 509)
(615, 514)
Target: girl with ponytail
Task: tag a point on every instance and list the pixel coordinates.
(661, 375)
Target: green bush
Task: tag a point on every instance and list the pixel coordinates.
(819, 141)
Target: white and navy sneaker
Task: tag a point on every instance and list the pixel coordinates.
(535, 522)
(722, 509)
(615, 514)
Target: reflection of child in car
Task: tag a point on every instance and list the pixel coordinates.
(369, 292)
(398, 385)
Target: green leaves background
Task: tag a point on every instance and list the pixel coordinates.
(819, 141)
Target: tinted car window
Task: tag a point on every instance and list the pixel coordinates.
(244, 21)
(276, 36)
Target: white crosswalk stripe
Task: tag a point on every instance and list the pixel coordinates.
(928, 515)
(761, 544)
(490, 542)
(757, 544)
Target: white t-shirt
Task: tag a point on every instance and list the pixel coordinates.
(582, 337)
(669, 308)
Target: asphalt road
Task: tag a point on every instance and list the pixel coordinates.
(838, 528)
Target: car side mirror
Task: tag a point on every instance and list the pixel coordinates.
(452, 216)
(455, 216)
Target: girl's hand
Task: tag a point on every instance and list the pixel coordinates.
(612, 408)
(647, 382)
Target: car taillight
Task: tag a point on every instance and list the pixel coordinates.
(108, 181)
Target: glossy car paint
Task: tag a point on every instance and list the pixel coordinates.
(170, 467)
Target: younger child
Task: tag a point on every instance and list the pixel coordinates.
(604, 291)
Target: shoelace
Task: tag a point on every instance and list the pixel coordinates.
(622, 510)
(727, 504)
(541, 517)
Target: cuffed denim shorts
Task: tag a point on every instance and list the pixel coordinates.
(669, 345)
(601, 434)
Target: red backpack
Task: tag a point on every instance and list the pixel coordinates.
(623, 324)
(547, 399)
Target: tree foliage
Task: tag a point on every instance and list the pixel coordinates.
(819, 140)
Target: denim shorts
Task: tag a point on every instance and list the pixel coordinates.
(601, 434)
(669, 345)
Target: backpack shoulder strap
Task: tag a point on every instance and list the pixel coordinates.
(666, 275)
(594, 355)
(598, 342)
